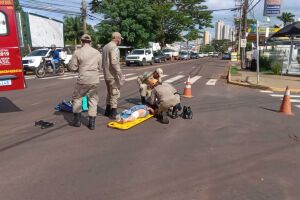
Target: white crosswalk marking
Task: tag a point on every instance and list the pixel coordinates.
(132, 78)
(171, 80)
(266, 91)
(281, 95)
(69, 77)
(29, 77)
(194, 79)
(295, 100)
(298, 106)
(212, 82)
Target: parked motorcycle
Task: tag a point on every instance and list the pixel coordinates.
(46, 68)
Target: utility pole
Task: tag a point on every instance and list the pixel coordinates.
(83, 15)
(240, 32)
(245, 10)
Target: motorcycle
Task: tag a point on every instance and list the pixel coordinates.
(46, 68)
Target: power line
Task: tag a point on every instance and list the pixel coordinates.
(48, 4)
(254, 6)
(49, 9)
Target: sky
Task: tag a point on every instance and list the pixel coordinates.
(292, 6)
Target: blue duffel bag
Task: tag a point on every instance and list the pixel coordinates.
(68, 107)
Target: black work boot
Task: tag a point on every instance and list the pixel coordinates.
(175, 111)
(113, 114)
(143, 100)
(163, 118)
(77, 120)
(107, 110)
(92, 122)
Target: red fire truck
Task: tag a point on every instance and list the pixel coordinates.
(11, 70)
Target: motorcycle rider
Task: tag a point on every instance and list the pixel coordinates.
(55, 57)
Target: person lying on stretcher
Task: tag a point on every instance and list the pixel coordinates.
(135, 112)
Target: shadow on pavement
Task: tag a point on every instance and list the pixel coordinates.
(269, 109)
(135, 101)
(7, 106)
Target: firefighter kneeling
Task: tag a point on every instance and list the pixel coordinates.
(165, 97)
(142, 80)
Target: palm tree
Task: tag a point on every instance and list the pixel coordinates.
(73, 29)
(286, 18)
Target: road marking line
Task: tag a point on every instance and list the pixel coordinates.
(171, 80)
(294, 100)
(180, 72)
(69, 77)
(212, 82)
(266, 91)
(298, 106)
(281, 95)
(194, 79)
(126, 75)
(29, 77)
(132, 78)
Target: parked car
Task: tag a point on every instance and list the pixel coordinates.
(170, 53)
(201, 55)
(210, 54)
(35, 58)
(194, 55)
(140, 57)
(215, 54)
(184, 55)
(226, 56)
(159, 57)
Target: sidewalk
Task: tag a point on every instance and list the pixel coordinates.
(276, 83)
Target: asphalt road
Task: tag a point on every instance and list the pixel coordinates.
(237, 147)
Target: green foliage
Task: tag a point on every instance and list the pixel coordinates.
(207, 48)
(192, 35)
(233, 70)
(133, 19)
(276, 67)
(264, 63)
(221, 45)
(286, 17)
(142, 21)
(73, 28)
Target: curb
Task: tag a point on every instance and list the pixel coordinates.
(261, 87)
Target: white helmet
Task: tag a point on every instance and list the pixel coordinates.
(159, 71)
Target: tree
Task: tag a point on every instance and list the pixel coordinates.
(133, 19)
(286, 18)
(141, 21)
(221, 45)
(207, 48)
(73, 29)
(174, 17)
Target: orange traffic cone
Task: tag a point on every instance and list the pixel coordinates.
(188, 89)
(286, 107)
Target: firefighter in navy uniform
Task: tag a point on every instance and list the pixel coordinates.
(87, 61)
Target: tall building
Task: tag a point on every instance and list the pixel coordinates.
(226, 32)
(219, 30)
(207, 37)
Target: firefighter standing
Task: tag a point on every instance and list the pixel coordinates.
(112, 74)
(87, 61)
(142, 80)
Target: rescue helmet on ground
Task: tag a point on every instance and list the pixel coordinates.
(159, 71)
(152, 82)
(53, 46)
